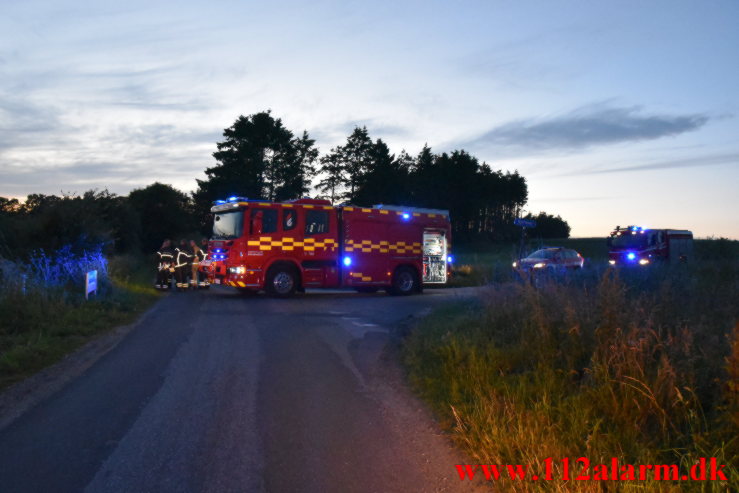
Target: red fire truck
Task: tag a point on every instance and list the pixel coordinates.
(634, 245)
(289, 246)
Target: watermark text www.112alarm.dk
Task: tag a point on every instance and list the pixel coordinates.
(581, 469)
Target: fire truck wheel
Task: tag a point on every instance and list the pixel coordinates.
(282, 281)
(405, 281)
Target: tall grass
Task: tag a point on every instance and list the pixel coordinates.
(642, 365)
(43, 311)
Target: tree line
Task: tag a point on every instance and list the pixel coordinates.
(260, 158)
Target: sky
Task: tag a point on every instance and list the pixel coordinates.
(615, 112)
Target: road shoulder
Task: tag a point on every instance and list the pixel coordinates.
(26, 394)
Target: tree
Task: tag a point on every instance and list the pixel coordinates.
(296, 176)
(356, 158)
(252, 160)
(332, 170)
(549, 226)
(385, 180)
(164, 212)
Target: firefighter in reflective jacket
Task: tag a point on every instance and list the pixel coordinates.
(166, 265)
(198, 256)
(204, 283)
(183, 259)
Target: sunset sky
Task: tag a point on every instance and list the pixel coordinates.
(615, 112)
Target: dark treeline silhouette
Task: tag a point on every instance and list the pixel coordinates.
(261, 159)
(117, 224)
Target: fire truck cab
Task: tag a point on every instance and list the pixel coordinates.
(636, 245)
(308, 243)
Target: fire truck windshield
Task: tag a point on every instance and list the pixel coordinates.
(628, 240)
(228, 225)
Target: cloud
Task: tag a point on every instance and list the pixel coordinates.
(22, 121)
(590, 125)
(693, 162)
(376, 129)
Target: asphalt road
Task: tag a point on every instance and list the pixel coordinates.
(212, 391)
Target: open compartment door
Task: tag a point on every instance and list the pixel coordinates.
(434, 257)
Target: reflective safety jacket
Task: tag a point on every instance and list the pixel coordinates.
(183, 258)
(166, 258)
(199, 255)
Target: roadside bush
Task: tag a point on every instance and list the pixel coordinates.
(44, 311)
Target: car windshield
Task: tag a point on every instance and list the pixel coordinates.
(542, 254)
(228, 225)
(628, 239)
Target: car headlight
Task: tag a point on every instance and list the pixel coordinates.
(539, 265)
(612, 262)
(644, 261)
(515, 264)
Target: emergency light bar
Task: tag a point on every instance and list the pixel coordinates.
(410, 210)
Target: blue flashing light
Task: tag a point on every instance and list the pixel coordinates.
(449, 259)
(347, 261)
(406, 216)
(631, 255)
(233, 199)
(220, 201)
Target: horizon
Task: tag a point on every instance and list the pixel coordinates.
(610, 112)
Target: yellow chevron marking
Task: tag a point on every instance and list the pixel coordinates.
(308, 206)
(416, 214)
(349, 208)
(432, 215)
(242, 284)
(366, 210)
(384, 211)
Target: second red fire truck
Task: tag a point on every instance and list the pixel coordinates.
(289, 246)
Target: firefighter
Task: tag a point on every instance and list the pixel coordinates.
(197, 256)
(183, 259)
(166, 265)
(204, 283)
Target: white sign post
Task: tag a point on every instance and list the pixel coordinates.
(91, 283)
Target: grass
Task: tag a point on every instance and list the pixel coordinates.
(40, 327)
(642, 365)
